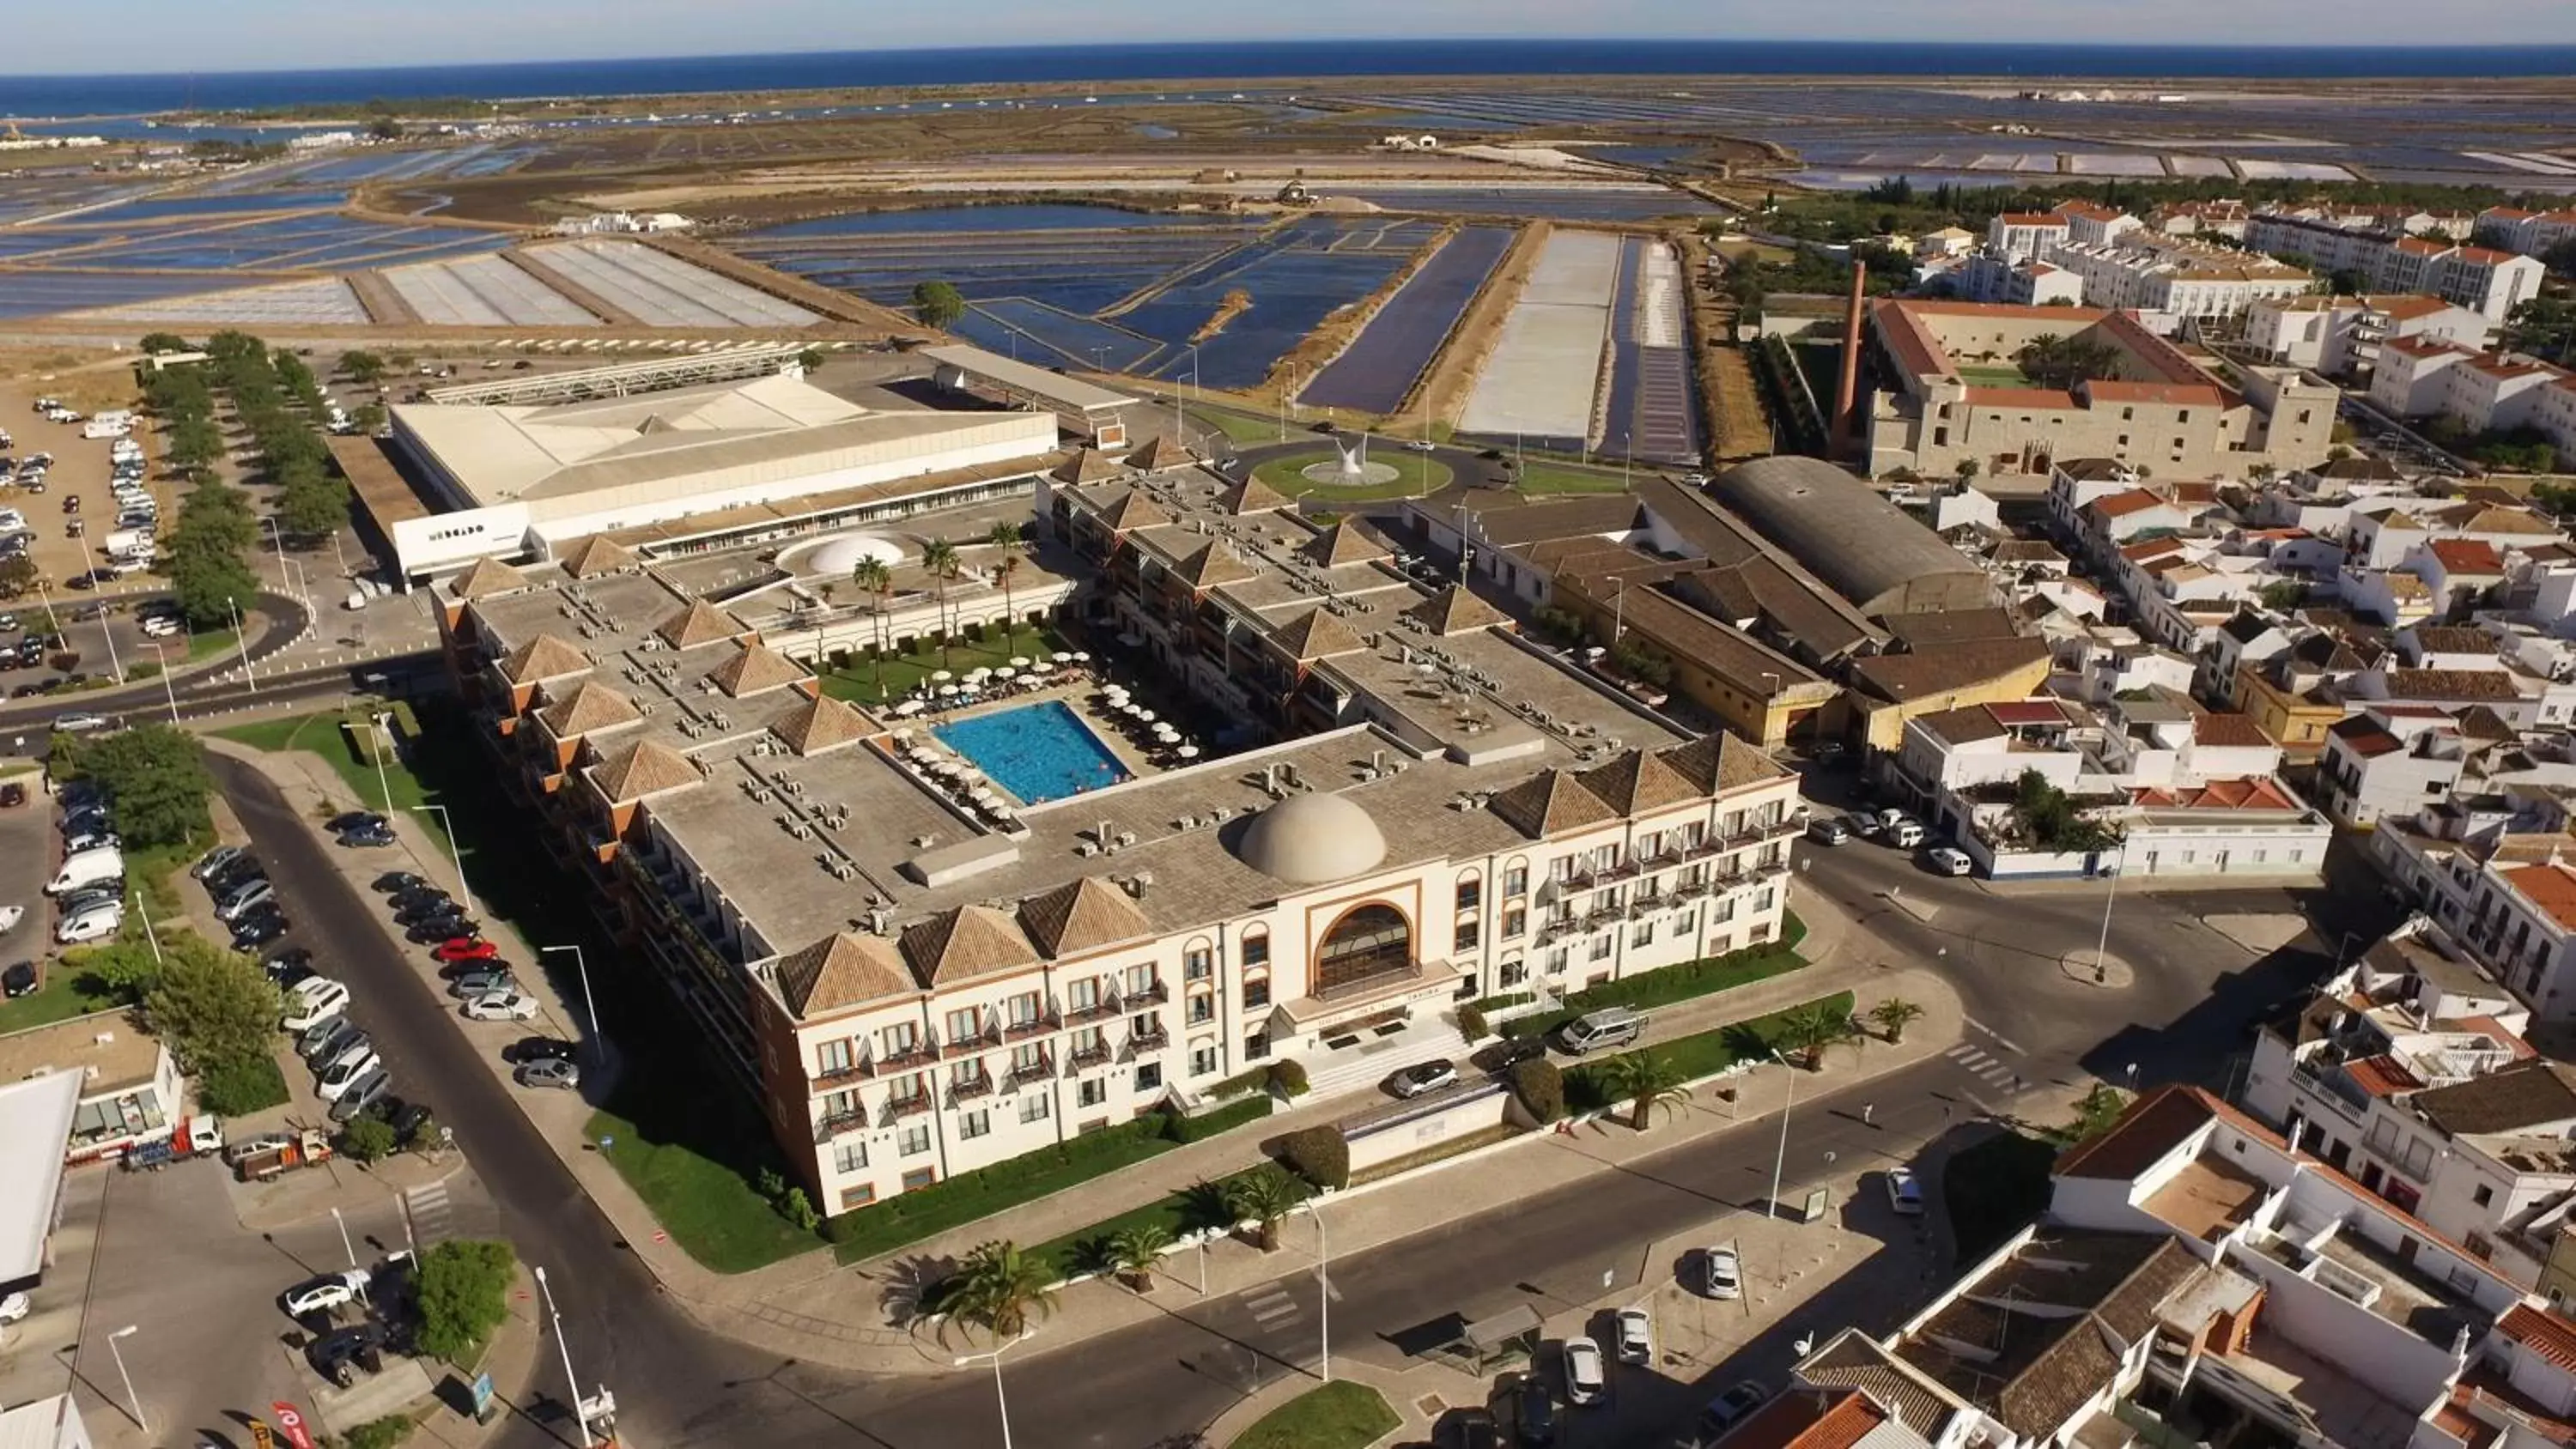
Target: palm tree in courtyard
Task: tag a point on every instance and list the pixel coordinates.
(1647, 1081)
(1007, 537)
(998, 1287)
(1265, 1195)
(939, 560)
(877, 581)
(1892, 1016)
(1131, 1254)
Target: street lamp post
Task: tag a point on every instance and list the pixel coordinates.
(1324, 1283)
(381, 739)
(161, 652)
(104, 632)
(1001, 1401)
(275, 536)
(345, 1245)
(2102, 948)
(455, 852)
(572, 1385)
(1780, 1162)
(590, 1004)
(241, 636)
(133, 1401)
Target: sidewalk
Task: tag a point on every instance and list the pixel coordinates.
(810, 1308)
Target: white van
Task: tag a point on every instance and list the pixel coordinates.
(304, 1008)
(1611, 1026)
(95, 924)
(87, 868)
(127, 541)
(96, 429)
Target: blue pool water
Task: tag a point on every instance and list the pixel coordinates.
(1038, 752)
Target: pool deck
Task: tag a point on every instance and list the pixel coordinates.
(1075, 698)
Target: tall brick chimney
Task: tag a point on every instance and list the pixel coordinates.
(1845, 430)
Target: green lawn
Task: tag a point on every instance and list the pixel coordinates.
(1415, 474)
(905, 672)
(1241, 429)
(211, 643)
(1686, 982)
(322, 735)
(1992, 1188)
(1338, 1415)
(1993, 375)
(63, 996)
(1191, 1210)
(1699, 1055)
(709, 1208)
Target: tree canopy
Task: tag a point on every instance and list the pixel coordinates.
(158, 779)
(211, 1007)
(937, 303)
(461, 1289)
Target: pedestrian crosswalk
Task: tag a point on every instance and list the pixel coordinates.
(430, 1213)
(1270, 1306)
(1987, 1069)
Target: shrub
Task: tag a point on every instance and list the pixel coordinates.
(237, 1086)
(462, 1292)
(794, 1206)
(1504, 1000)
(1471, 1023)
(382, 1433)
(1187, 1129)
(1320, 1156)
(1541, 1087)
(1289, 1077)
(367, 1138)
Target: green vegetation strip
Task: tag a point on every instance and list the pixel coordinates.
(1415, 474)
(909, 1217)
(1339, 1415)
(1193, 1209)
(1588, 1088)
(864, 679)
(709, 1208)
(68, 992)
(1240, 429)
(1686, 982)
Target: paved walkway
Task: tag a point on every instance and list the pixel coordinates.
(857, 1318)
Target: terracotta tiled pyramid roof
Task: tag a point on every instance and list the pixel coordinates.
(1455, 610)
(588, 707)
(547, 656)
(967, 942)
(1721, 761)
(1083, 915)
(488, 577)
(1132, 511)
(841, 971)
(1343, 543)
(1637, 781)
(1212, 565)
(1158, 454)
(753, 669)
(1088, 466)
(820, 724)
(598, 554)
(700, 623)
(1251, 496)
(1545, 804)
(643, 768)
(1316, 634)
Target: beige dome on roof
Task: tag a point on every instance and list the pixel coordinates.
(1310, 839)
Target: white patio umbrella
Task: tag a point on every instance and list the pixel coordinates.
(1082, 656)
(1144, 716)
(947, 691)
(1019, 661)
(1040, 667)
(938, 675)
(909, 707)
(975, 674)
(1005, 672)
(1064, 656)
(1188, 752)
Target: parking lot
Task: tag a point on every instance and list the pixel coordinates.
(74, 487)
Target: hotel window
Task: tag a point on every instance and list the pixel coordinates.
(1084, 994)
(1202, 1007)
(1256, 1045)
(1516, 881)
(1027, 1059)
(901, 1039)
(961, 1025)
(840, 1104)
(919, 1178)
(832, 1057)
(1024, 1009)
(1643, 934)
(1149, 1077)
(1034, 1107)
(1256, 991)
(1467, 935)
(858, 1197)
(1202, 1060)
(1515, 922)
(1556, 959)
(1140, 979)
(913, 1141)
(1091, 1093)
(849, 1157)
(1601, 946)
(1763, 900)
(1513, 973)
(1256, 947)
(1144, 1023)
(1471, 896)
(1561, 868)
(1725, 910)
(1197, 963)
(972, 1125)
(1685, 923)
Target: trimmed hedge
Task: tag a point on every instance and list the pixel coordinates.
(1503, 1001)
(1472, 1024)
(1289, 1077)
(1320, 1156)
(1222, 1119)
(1685, 982)
(241, 1085)
(1541, 1087)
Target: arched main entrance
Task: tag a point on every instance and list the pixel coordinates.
(1368, 941)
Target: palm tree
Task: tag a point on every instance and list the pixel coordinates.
(1806, 1031)
(1892, 1016)
(1265, 1195)
(1647, 1081)
(997, 1288)
(872, 576)
(939, 560)
(1131, 1253)
(1007, 537)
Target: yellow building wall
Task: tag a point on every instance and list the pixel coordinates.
(2298, 726)
(1886, 722)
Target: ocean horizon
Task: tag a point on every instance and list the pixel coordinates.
(73, 96)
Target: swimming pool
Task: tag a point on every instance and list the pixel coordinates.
(1038, 752)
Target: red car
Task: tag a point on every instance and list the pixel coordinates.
(466, 948)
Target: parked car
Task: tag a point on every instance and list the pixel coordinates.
(1511, 1051)
(214, 862)
(14, 1307)
(501, 1006)
(1636, 1336)
(1905, 834)
(328, 999)
(1535, 1410)
(1470, 1428)
(335, 1083)
(339, 1354)
(548, 1074)
(367, 837)
(354, 819)
(1729, 1409)
(406, 1118)
(439, 928)
(483, 983)
(1721, 1273)
(540, 1049)
(395, 881)
(1829, 831)
(1586, 1378)
(1948, 860)
(12, 795)
(362, 1094)
(329, 1291)
(465, 948)
(326, 1041)
(1423, 1077)
(1611, 1026)
(258, 929)
(1904, 1193)
(249, 894)
(18, 980)
(95, 924)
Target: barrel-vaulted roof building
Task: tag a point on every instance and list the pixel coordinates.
(1848, 535)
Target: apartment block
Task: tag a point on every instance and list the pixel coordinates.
(2342, 336)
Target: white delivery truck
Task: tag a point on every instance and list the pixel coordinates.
(129, 542)
(83, 868)
(97, 428)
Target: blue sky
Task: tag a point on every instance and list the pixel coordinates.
(210, 35)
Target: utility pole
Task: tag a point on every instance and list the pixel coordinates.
(572, 1385)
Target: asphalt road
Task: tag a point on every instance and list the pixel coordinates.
(679, 1384)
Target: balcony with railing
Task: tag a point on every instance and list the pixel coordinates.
(968, 1087)
(982, 1038)
(858, 1069)
(835, 1123)
(920, 1054)
(1154, 993)
(1023, 1073)
(909, 1104)
(1042, 1024)
(1152, 1038)
(1093, 1054)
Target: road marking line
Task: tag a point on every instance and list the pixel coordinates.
(1974, 1060)
(1275, 1314)
(2008, 1043)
